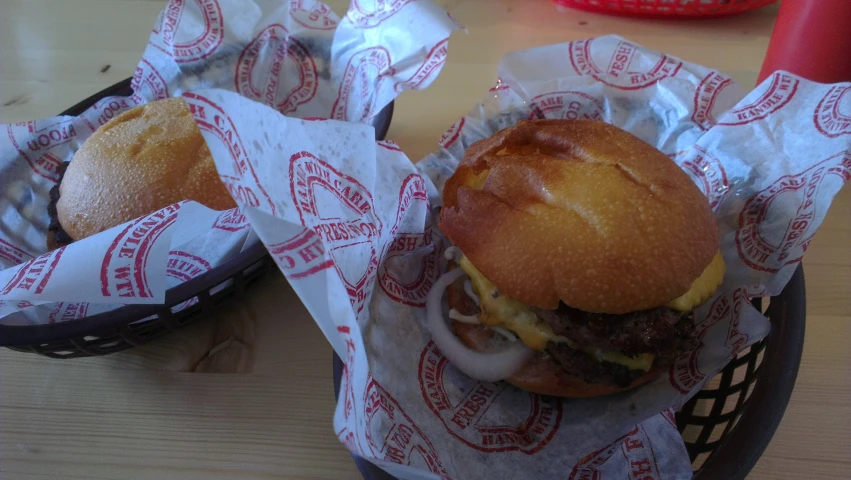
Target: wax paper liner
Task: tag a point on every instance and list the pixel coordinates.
(352, 225)
(297, 56)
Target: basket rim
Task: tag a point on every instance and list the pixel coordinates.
(28, 335)
(690, 12)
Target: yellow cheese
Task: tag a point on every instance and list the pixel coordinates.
(703, 288)
(642, 362)
(501, 311)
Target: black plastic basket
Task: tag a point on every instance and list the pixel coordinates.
(728, 424)
(134, 325)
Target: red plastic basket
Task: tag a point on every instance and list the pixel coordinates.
(667, 8)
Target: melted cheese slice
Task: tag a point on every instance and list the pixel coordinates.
(703, 288)
(501, 311)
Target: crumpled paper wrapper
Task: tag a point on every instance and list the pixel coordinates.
(297, 56)
(352, 224)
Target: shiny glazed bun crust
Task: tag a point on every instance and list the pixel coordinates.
(578, 211)
(542, 374)
(140, 161)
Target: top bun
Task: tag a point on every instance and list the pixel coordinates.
(579, 211)
(140, 161)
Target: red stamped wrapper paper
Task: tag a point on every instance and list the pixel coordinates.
(125, 264)
(183, 266)
(179, 43)
(621, 67)
(466, 418)
(354, 92)
(266, 82)
(37, 143)
(406, 283)
(360, 230)
(371, 13)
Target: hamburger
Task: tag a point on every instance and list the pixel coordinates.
(143, 160)
(579, 254)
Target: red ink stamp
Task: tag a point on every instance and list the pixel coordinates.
(356, 98)
(34, 275)
(207, 40)
(301, 256)
(246, 188)
(276, 70)
(499, 86)
(109, 108)
(435, 59)
(148, 83)
(410, 251)
(625, 68)
(348, 386)
(349, 228)
(231, 221)
(705, 97)
(370, 13)
(123, 271)
(833, 113)
(404, 443)
(389, 145)
(566, 105)
(15, 304)
(451, 135)
(313, 14)
(349, 440)
(11, 254)
(183, 266)
(34, 141)
(465, 414)
(761, 252)
(707, 173)
(67, 311)
(773, 96)
(636, 450)
(588, 467)
(670, 416)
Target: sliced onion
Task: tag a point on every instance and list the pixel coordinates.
(468, 289)
(504, 332)
(486, 367)
(460, 317)
(453, 253)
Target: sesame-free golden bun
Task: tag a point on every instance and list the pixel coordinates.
(145, 159)
(578, 211)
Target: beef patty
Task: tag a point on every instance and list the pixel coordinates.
(662, 332)
(654, 331)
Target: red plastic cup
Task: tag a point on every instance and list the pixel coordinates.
(812, 39)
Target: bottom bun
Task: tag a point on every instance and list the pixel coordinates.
(542, 374)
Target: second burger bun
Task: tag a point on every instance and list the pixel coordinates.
(541, 374)
(579, 211)
(143, 160)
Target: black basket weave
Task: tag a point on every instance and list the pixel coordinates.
(727, 425)
(134, 325)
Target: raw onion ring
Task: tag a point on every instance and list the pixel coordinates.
(483, 366)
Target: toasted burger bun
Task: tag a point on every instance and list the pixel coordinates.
(579, 211)
(542, 374)
(140, 161)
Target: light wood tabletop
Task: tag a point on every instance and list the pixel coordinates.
(248, 394)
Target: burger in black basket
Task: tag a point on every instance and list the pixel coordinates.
(579, 253)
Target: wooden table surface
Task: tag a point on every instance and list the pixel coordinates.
(248, 395)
